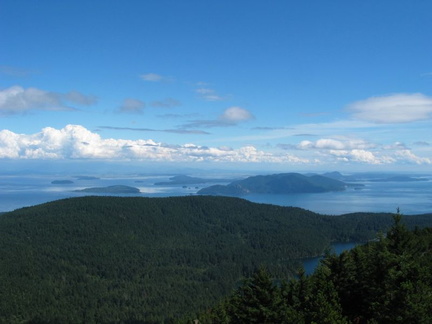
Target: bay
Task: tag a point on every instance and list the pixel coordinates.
(310, 264)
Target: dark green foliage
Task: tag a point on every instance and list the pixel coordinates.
(386, 281)
(152, 260)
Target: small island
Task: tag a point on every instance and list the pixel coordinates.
(86, 178)
(61, 182)
(119, 189)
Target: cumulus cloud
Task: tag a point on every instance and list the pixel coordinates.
(132, 106)
(357, 150)
(235, 115)
(77, 142)
(230, 117)
(16, 99)
(409, 156)
(396, 108)
(153, 77)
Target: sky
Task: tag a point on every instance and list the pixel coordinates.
(271, 85)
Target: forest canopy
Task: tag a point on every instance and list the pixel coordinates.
(118, 259)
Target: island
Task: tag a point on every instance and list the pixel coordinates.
(62, 182)
(118, 189)
(86, 178)
(185, 180)
(283, 183)
(399, 178)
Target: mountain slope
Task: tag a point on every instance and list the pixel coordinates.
(113, 259)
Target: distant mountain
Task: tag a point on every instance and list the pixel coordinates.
(111, 189)
(283, 183)
(335, 175)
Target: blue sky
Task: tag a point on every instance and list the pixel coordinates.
(286, 85)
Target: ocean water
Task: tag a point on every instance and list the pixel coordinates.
(18, 191)
(414, 197)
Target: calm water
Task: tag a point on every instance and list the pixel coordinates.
(411, 197)
(310, 264)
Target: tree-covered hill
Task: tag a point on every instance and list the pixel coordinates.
(386, 281)
(282, 183)
(136, 260)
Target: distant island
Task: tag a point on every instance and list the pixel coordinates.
(119, 189)
(374, 177)
(400, 178)
(187, 180)
(86, 178)
(283, 183)
(62, 182)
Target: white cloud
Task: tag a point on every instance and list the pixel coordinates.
(131, 105)
(396, 108)
(209, 94)
(230, 117)
(235, 115)
(76, 142)
(16, 99)
(153, 77)
(408, 156)
(332, 144)
(357, 150)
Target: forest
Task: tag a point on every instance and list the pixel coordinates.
(164, 260)
(385, 281)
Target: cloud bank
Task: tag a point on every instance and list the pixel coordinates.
(355, 150)
(77, 142)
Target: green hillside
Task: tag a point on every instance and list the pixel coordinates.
(136, 260)
(385, 281)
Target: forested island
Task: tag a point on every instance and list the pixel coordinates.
(283, 183)
(118, 189)
(154, 260)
